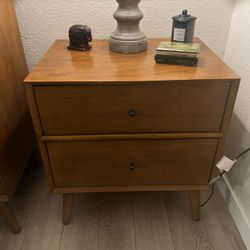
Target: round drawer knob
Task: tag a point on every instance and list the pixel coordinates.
(132, 166)
(132, 113)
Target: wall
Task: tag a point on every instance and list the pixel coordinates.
(237, 55)
(43, 21)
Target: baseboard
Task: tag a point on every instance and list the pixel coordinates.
(235, 210)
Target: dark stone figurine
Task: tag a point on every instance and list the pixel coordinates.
(80, 36)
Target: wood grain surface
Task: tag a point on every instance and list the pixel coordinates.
(44, 222)
(153, 233)
(39, 133)
(157, 107)
(68, 201)
(83, 232)
(131, 163)
(137, 188)
(13, 70)
(16, 131)
(117, 229)
(141, 136)
(100, 65)
(226, 122)
(15, 155)
(195, 204)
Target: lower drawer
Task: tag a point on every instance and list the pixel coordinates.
(124, 163)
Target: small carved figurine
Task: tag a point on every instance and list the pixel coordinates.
(80, 36)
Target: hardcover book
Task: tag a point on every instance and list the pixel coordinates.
(193, 48)
(176, 60)
(177, 54)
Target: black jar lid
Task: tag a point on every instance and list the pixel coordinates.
(184, 17)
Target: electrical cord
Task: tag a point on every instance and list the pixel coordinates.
(242, 153)
(221, 174)
(209, 197)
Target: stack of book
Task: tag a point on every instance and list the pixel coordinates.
(178, 53)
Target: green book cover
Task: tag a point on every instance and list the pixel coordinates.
(179, 47)
(176, 54)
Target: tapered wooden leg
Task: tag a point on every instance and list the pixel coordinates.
(9, 218)
(68, 200)
(195, 204)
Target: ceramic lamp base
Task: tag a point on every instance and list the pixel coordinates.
(128, 47)
(128, 38)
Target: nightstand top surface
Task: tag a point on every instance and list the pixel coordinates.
(98, 65)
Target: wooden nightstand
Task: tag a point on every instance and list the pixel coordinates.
(109, 122)
(17, 140)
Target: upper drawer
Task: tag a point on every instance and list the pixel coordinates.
(134, 108)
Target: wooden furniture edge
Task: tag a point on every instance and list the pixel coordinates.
(68, 201)
(234, 86)
(18, 142)
(12, 173)
(158, 136)
(195, 204)
(33, 78)
(101, 189)
(123, 82)
(38, 129)
(9, 218)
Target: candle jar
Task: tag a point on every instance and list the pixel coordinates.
(183, 27)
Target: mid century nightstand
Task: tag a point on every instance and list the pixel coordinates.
(109, 122)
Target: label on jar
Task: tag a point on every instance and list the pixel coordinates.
(179, 34)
